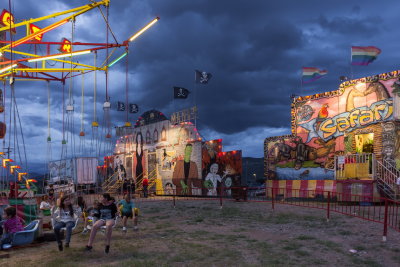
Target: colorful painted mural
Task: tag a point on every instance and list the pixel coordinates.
(221, 170)
(356, 118)
(289, 158)
(176, 159)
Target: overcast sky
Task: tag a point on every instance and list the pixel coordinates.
(255, 50)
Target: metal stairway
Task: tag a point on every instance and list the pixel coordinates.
(152, 177)
(112, 184)
(386, 176)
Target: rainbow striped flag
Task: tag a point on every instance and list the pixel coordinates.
(312, 74)
(363, 55)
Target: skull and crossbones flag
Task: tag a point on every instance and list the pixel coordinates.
(180, 92)
(133, 108)
(202, 77)
(121, 106)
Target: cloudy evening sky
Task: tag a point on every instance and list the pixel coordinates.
(255, 50)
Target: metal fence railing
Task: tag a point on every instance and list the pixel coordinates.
(366, 207)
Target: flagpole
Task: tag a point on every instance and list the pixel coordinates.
(301, 82)
(126, 90)
(351, 65)
(173, 103)
(195, 98)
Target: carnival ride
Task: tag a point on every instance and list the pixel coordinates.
(58, 63)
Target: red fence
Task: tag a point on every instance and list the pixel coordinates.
(374, 209)
(370, 208)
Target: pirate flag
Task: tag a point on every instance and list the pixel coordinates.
(180, 92)
(121, 106)
(202, 77)
(133, 108)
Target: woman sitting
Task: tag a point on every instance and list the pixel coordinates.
(108, 211)
(64, 217)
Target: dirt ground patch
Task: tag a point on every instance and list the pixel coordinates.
(199, 233)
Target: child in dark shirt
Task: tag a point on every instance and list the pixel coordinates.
(93, 214)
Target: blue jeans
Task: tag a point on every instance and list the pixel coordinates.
(68, 226)
(6, 238)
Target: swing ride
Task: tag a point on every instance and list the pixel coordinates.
(57, 62)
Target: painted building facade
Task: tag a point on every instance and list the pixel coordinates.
(175, 157)
(359, 119)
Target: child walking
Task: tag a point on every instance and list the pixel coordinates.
(108, 211)
(64, 217)
(12, 225)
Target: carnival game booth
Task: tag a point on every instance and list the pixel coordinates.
(174, 158)
(344, 141)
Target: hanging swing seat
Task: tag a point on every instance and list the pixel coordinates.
(104, 228)
(24, 237)
(64, 228)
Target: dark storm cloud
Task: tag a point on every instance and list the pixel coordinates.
(237, 48)
(362, 27)
(254, 49)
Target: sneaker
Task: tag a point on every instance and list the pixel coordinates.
(66, 245)
(88, 248)
(60, 246)
(85, 231)
(135, 228)
(123, 229)
(107, 249)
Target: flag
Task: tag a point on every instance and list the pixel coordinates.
(121, 106)
(202, 77)
(180, 92)
(363, 55)
(133, 108)
(312, 74)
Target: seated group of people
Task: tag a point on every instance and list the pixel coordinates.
(65, 215)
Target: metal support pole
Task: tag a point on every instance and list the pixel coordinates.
(273, 197)
(220, 197)
(328, 209)
(385, 221)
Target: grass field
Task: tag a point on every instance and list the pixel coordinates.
(199, 233)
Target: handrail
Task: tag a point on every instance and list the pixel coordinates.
(391, 167)
(140, 181)
(140, 177)
(152, 180)
(387, 176)
(109, 180)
